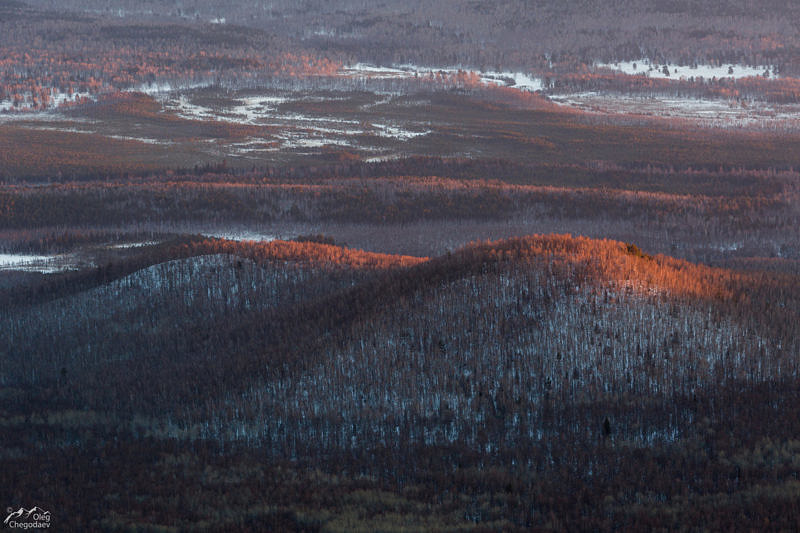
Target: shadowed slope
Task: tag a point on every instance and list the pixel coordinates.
(601, 313)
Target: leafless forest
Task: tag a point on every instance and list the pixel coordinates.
(400, 266)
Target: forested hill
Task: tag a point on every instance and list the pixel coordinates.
(257, 312)
(566, 358)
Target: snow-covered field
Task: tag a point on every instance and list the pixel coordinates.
(240, 235)
(80, 128)
(705, 112)
(129, 245)
(373, 121)
(163, 87)
(293, 130)
(519, 80)
(145, 140)
(320, 131)
(19, 259)
(653, 70)
(57, 99)
(46, 264)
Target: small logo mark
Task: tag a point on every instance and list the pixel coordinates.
(33, 518)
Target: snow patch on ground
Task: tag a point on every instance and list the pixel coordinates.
(729, 247)
(56, 100)
(294, 130)
(15, 259)
(241, 235)
(144, 140)
(382, 158)
(307, 118)
(42, 116)
(518, 80)
(161, 88)
(253, 108)
(290, 141)
(59, 99)
(654, 70)
(394, 132)
(715, 113)
(521, 81)
(127, 245)
(46, 264)
(184, 108)
(61, 129)
(372, 71)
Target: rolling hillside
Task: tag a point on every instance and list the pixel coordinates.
(549, 354)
